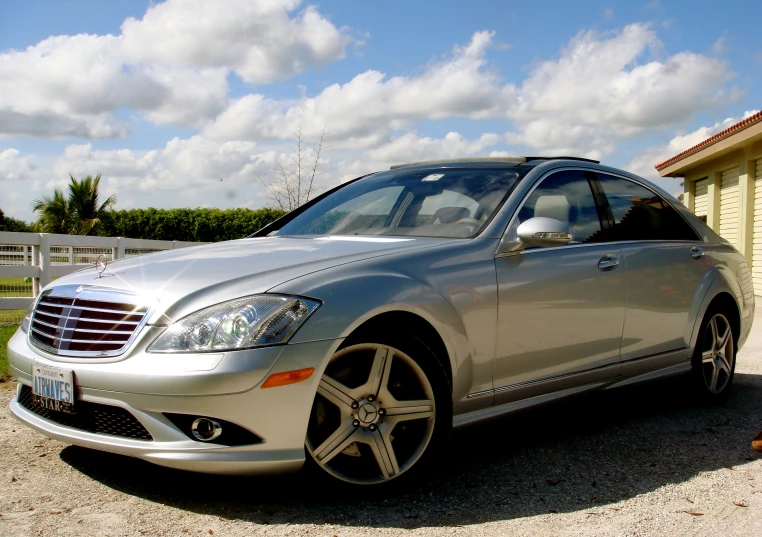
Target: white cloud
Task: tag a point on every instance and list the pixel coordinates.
(721, 46)
(17, 172)
(14, 167)
(181, 164)
(600, 91)
(643, 164)
(171, 66)
(602, 88)
(185, 173)
(73, 86)
(363, 110)
(259, 40)
(412, 148)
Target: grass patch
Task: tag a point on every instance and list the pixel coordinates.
(11, 317)
(5, 334)
(15, 287)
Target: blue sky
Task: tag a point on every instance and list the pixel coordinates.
(192, 103)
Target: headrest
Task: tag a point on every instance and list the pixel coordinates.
(448, 215)
(553, 206)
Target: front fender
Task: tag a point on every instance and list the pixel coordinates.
(453, 288)
(349, 300)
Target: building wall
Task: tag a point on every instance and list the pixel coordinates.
(735, 211)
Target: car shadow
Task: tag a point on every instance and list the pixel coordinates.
(593, 450)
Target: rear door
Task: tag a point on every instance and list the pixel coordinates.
(665, 264)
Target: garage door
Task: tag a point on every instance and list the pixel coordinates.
(756, 256)
(729, 206)
(701, 199)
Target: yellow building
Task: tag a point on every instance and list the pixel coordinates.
(723, 183)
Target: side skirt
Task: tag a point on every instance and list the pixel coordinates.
(513, 406)
(677, 369)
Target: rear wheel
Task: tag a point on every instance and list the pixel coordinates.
(714, 359)
(380, 412)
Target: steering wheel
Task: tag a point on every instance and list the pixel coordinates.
(471, 223)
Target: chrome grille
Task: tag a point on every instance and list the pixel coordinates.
(73, 320)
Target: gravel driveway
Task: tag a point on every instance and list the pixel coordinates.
(643, 460)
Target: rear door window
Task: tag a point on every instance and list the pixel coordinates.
(640, 215)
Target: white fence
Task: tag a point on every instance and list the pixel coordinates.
(30, 261)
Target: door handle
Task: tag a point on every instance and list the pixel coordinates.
(697, 253)
(608, 262)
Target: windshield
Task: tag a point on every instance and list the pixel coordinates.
(453, 203)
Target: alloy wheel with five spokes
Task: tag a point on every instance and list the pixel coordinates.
(717, 354)
(373, 415)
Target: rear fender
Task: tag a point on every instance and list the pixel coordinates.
(718, 280)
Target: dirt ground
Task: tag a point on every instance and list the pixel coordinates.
(644, 460)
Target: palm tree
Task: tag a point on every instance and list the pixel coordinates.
(55, 214)
(83, 201)
(77, 215)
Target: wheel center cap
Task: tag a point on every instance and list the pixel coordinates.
(367, 413)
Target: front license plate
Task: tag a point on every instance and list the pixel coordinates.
(53, 388)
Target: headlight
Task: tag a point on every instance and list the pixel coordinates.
(239, 324)
(24, 326)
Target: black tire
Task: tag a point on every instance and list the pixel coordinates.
(417, 350)
(702, 371)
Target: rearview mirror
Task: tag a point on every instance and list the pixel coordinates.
(541, 231)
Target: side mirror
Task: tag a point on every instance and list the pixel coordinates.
(540, 231)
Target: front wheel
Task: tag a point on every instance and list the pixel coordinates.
(380, 412)
(714, 359)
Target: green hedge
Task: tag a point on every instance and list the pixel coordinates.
(12, 224)
(201, 225)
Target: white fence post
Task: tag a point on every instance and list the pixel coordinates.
(45, 264)
(35, 263)
(121, 250)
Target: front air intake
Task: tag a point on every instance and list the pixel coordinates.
(86, 321)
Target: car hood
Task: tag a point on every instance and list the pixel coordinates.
(178, 282)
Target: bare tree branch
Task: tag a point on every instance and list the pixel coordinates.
(293, 177)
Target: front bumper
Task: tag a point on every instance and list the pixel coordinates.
(279, 416)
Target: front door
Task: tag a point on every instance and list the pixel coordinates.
(561, 309)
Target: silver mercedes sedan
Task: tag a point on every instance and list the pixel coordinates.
(355, 332)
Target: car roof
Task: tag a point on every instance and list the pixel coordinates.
(547, 163)
(494, 161)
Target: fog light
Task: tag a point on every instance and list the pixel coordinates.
(206, 430)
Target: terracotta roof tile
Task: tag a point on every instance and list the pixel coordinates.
(741, 125)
